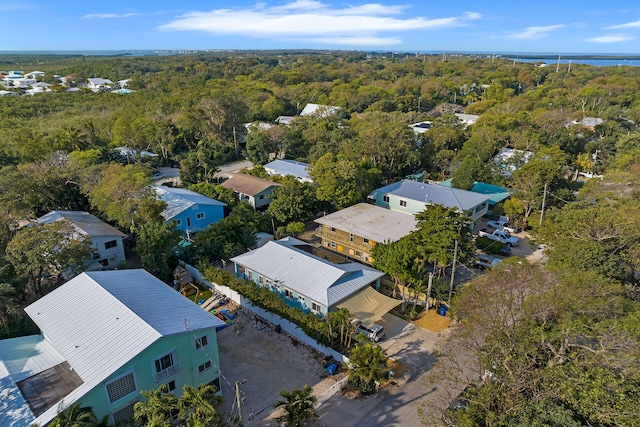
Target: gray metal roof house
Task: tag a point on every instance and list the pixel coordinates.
(106, 241)
(413, 197)
(302, 279)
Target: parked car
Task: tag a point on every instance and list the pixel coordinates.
(505, 250)
(501, 236)
(502, 225)
(157, 175)
(486, 261)
(372, 331)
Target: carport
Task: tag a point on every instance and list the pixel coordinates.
(368, 305)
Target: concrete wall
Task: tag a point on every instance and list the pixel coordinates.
(291, 328)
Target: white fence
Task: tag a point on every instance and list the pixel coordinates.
(287, 326)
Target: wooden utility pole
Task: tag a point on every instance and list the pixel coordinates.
(544, 199)
(453, 271)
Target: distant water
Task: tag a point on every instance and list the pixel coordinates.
(599, 62)
(551, 59)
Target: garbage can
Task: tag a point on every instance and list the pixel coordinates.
(331, 369)
(442, 310)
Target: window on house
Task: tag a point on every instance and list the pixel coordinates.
(288, 293)
(301, 300)
(166, 366)
(188, 221)
(200, 215)
(260, 279)
(124, 415)
(171, 385)
(358, 254)
(110, 244)
(385, 199)
(205, 366)
(332, 244)
(350, 237)
(121, 387)
(178, 222)
(365, 240)
(262, 197)
(201, 342)
(315, 307)
(403, 203)
(333, 229)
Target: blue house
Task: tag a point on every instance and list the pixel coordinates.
(314, 284)
(192, 212)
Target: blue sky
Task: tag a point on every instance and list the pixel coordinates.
(413, 25)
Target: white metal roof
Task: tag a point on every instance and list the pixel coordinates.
(307, 274)
(180, 199)
(288, 167)
(84, 222)
(319, 110)
(433, 194)
(21, 358)
(100, 320)
(372, 222)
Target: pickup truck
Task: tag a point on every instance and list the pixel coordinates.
(501, 236)
(502, 225)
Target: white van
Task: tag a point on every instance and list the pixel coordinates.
(372, 331)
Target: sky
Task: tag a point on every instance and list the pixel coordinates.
(567, 26)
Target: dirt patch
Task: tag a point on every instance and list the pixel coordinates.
(432, 321)
(264, 362)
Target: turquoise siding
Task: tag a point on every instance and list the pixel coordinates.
(143, 368)
(299, 301)
(188, 219)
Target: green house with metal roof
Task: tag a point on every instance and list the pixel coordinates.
(105, 337)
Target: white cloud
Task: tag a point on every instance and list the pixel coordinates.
(610, 39)
(634, 24)
(109, 15)
(534, 33)
(315, 21)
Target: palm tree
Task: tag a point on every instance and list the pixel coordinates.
(157, 409)
(298, 406)
(75, 416)
(196, 405)
(368, 365)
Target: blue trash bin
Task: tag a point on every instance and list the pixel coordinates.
(442, 310)
(331, 369)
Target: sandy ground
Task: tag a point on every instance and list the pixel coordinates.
(266, 362)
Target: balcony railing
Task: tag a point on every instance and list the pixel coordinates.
(166, 373)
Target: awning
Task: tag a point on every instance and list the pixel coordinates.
(368, 305)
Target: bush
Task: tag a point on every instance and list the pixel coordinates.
(485, 244)
(311, 324)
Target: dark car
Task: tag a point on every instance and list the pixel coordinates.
(505, 250)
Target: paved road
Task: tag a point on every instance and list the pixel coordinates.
(396, 405)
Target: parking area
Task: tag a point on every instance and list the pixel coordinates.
(266, 362)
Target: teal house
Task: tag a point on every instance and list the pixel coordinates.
(105, 337)
(190, 211)
(495, 193)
